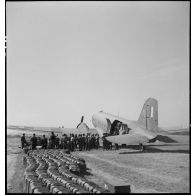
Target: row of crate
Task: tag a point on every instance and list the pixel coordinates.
(64, 171)
(40, 180)
(74, 164)
(48, 171)
(32, 183)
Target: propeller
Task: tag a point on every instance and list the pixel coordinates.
(82, 118)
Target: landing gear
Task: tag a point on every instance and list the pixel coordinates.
(141, 147)
(116, 147)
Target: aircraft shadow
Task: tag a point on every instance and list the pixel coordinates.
(165, 139)
(156, 150)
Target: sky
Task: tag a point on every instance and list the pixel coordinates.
(68, 59)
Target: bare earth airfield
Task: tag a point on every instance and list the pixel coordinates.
(162, 167)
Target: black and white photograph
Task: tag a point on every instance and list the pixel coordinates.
(98, 97)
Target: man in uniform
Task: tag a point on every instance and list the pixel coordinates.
(44, 142)
(33, 142)
(87, 142)
(23, 141)
(52, 139)
(63, 142)
(84, 141)
(72, 142)
(80, 142)
(104, 141)
(57, 142)
(96, 141)
(75, 141)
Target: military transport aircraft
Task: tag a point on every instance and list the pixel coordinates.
(123, 131)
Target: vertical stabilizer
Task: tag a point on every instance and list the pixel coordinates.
(149, 115)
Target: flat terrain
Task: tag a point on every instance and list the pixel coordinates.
(162, 167)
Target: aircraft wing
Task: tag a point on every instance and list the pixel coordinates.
(129, 139)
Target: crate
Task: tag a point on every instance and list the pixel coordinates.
(117, 187)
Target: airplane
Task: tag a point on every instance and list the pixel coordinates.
(123, 131)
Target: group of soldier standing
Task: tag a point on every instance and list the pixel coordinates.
(71, 142)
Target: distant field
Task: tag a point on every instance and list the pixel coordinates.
(47, 131)
(179, 132)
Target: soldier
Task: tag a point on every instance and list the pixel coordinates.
(104, 141)
(97, 141)
(57, 142)
(117, 128)
(33, 142)
(92, 141)
(72, 142)
(108, 145)
(52, 139)
(23, 141)
(84, 142)
(63, 142)
(116, 147)
(68, 142)
(75, 141)
(44, 142)
(141, 147)
(80, 142)
(87, 142)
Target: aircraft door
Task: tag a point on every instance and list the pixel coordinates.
(108, 125)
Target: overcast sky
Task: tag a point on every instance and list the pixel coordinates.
(68, 59)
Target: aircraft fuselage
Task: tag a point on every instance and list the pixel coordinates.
(102, 122)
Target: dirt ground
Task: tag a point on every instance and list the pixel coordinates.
(15, 168)
(145, 172)
(162, 167)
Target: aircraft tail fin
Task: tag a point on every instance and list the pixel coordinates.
(149, 115)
